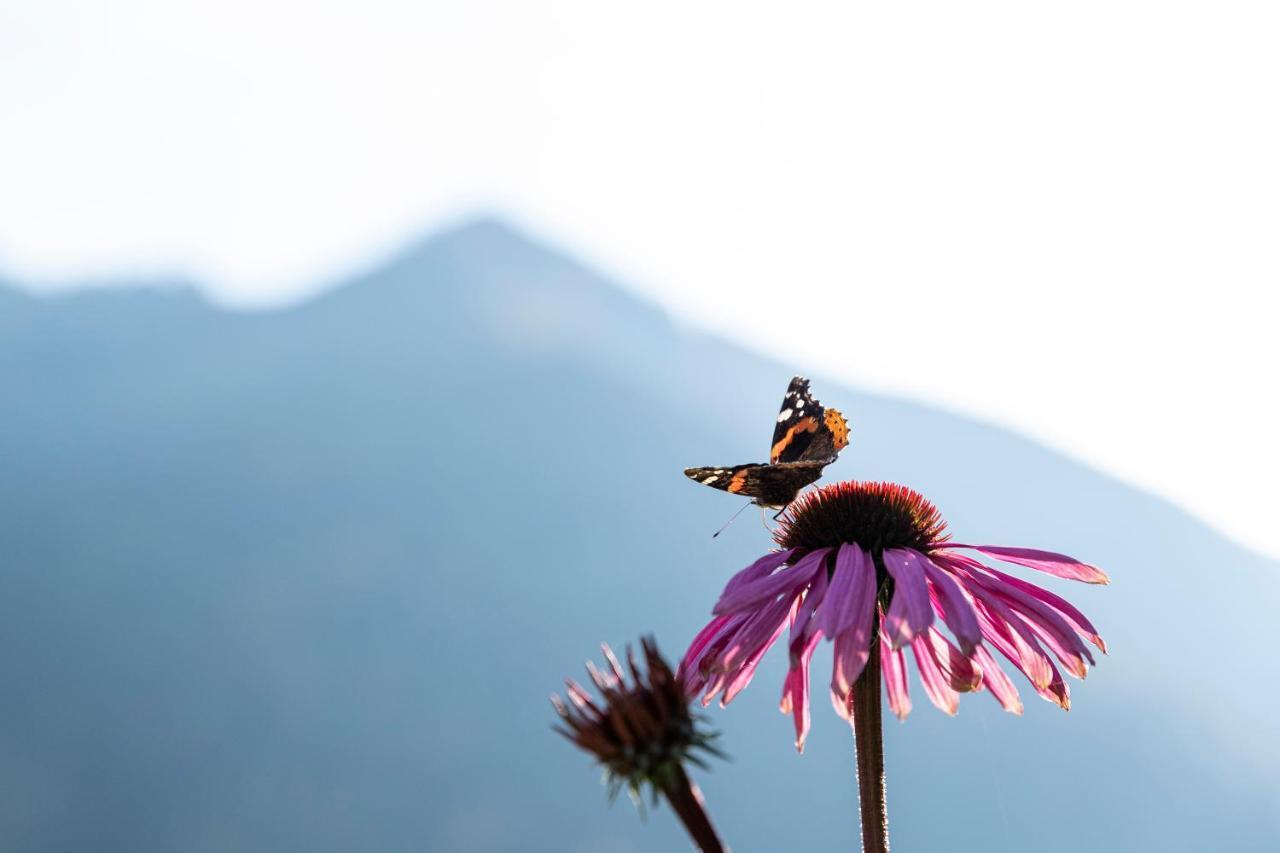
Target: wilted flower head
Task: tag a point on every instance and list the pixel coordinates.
(640, 731)
(869, 566)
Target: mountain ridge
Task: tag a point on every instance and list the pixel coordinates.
(454, 240)
(303, 578)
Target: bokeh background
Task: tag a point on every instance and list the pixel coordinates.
(350, 354)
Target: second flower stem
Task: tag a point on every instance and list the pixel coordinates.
(868, 736)
(686, 800)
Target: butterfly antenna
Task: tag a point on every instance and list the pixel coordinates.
(730, 521)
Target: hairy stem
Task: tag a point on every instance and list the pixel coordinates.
(869, 742)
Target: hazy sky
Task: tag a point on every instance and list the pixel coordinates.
(1061, 217)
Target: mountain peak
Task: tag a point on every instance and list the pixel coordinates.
(486, 228)
(487, 270)
(477, 239)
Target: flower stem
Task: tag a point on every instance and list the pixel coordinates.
(686, 800)
(869, 742)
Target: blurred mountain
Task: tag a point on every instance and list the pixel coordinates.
(303, 580)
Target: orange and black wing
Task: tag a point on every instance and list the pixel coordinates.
(804, 430)
(767, 485)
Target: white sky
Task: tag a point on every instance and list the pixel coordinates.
(1061, 217)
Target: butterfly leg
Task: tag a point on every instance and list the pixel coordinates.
(779, 513)
(765, 521)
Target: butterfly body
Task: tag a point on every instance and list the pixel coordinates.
(806, 439)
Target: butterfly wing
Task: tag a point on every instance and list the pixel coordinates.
(768, 485)
(806, 438)
(732, 479)
(804, 430)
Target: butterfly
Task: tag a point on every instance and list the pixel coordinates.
(806, 439)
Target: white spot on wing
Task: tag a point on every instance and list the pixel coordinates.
(786, 413)
(710, 479)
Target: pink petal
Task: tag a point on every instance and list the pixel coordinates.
(894, 667)
(1043, 620)
(1012, 639)
(1056, 643)
(1045, 561)
(931, 677)
(805, 613)
(852, 649)
(748, 594)
(958, 612)
(1057, 692)
(715, 685)
(909, 612)
(849, 615)
(741, 635)
(773, 614)
(700, 643)
(840, 703)
(795, 691)
(1077, 620)
(961, 674)
(756, 634)
(852, 594)
(710, 656)
(761, 568)
(995, 679)
(691, 672)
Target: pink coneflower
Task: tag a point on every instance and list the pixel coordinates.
(869, 566)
